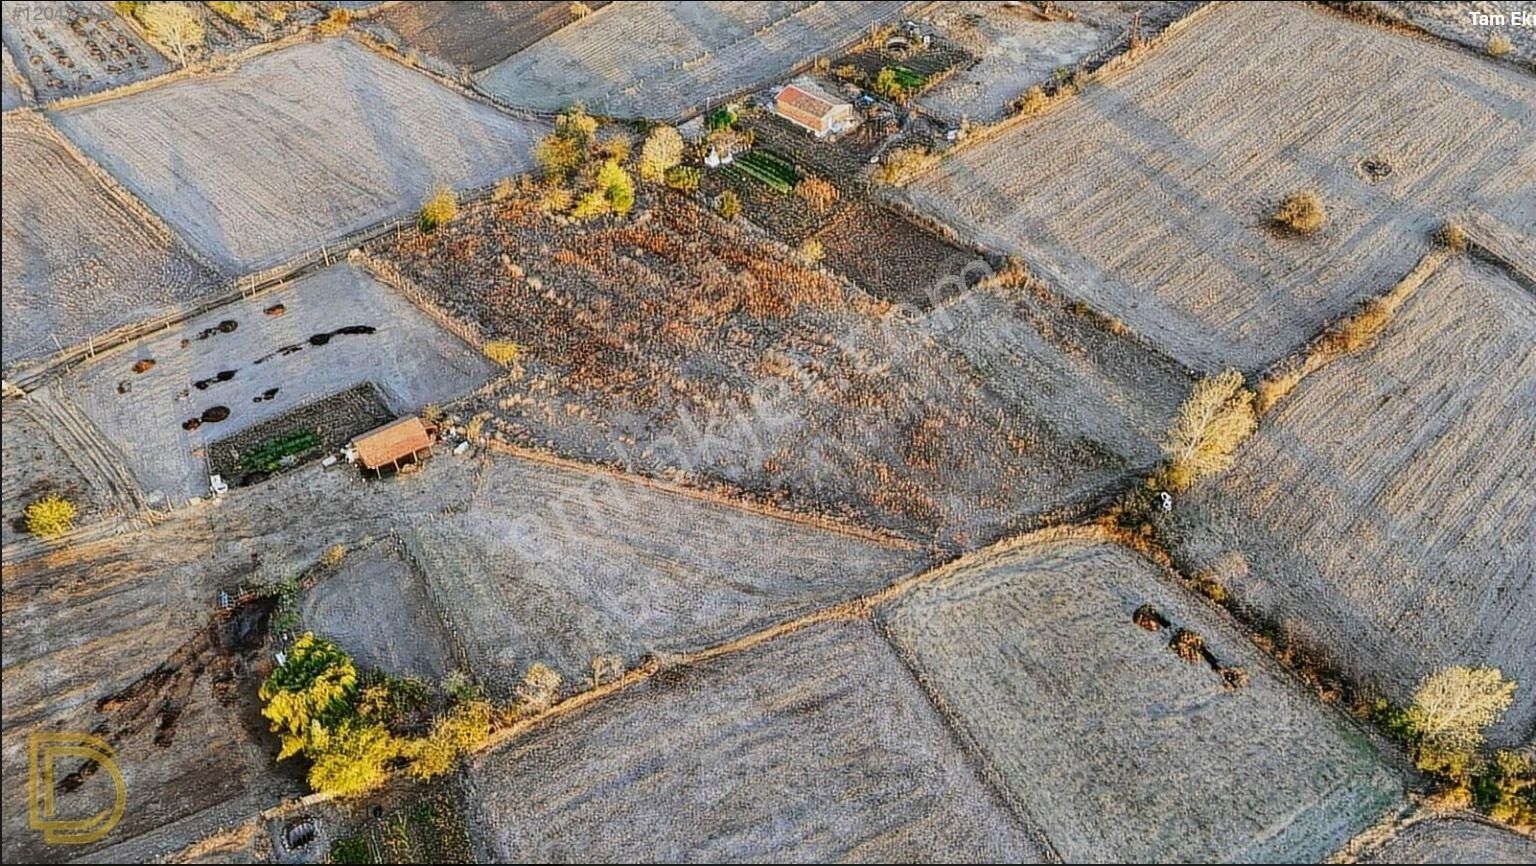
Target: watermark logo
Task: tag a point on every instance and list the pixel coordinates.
(44, 750)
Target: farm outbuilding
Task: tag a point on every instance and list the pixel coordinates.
(396, 444)
(804, 103)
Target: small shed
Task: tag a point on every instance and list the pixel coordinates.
(399, 443)
(804, 103)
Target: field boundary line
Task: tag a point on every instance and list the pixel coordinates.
(989, 776)
(1280, 379)
(814, 521)
(1116, 66)
(857, 608)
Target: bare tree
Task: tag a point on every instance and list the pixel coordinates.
(175, 25)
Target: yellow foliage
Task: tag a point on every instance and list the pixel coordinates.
(1215, 419)
(438, 210)
(539, 689)
(334, 23)
(503, 352)
(333, 555)
(1449, 713)
(662, 150)
(1302, 212)
(50, 517)
(461, 730)
(353, 760)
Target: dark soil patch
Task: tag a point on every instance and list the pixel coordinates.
(334, 420)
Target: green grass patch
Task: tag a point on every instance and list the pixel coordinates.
(270, 454)
(767, 167)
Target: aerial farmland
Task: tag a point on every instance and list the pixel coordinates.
(942, 431)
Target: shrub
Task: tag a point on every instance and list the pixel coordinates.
(812, 250)
(887, 85)
(557, 155)
(462, 729)
(1215, 419)
(1499, 45)
(590, 206)
(577, 125)
(616, 186)
(1301, 212)
(556, 198)
(663, 149)
(1189, 645)
(539, 690)
(334, 23)
(905, 163)
(616, 146)
(1452, 236)
(818, 193)
(505, 190)
(333, 555)
(439, 210)
(729, 205)
(175, 25)
(684, 177)
(580, 10)
(503, 352)
(1357, 332)
(1507, 790)
(1033, 101)
(1448, 715)
(243, 14)
(721, 118)
(50, 517)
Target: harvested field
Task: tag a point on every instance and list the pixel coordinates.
(79, 256)
(1454, 839)
(558, 565)
(12, 86)
(1150, 194)
(34, 465)
(1453, 21)
(243, 364)
(475, 35)
(76, 47)
(376, 607)
(814, 747)
(1383, 512)
(668, 60)
(297, 148)
(1114, 745)
(1015, 49)
(675, 344)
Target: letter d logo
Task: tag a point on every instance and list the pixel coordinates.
(44, 749)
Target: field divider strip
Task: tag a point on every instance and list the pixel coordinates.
(859, 608)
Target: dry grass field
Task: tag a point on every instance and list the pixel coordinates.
(1454, 839)
(78, 255)
(667, 60)
(1114, 745)
(678, 345)
(815, 747)
(477, 34)
(338, 328)
(558, 565)
(1017, 48)
(376, 606)
(296, 148)
(1150, 194)
(36, 464)
(1384, 509)
(76, 47)
(1453, 21)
